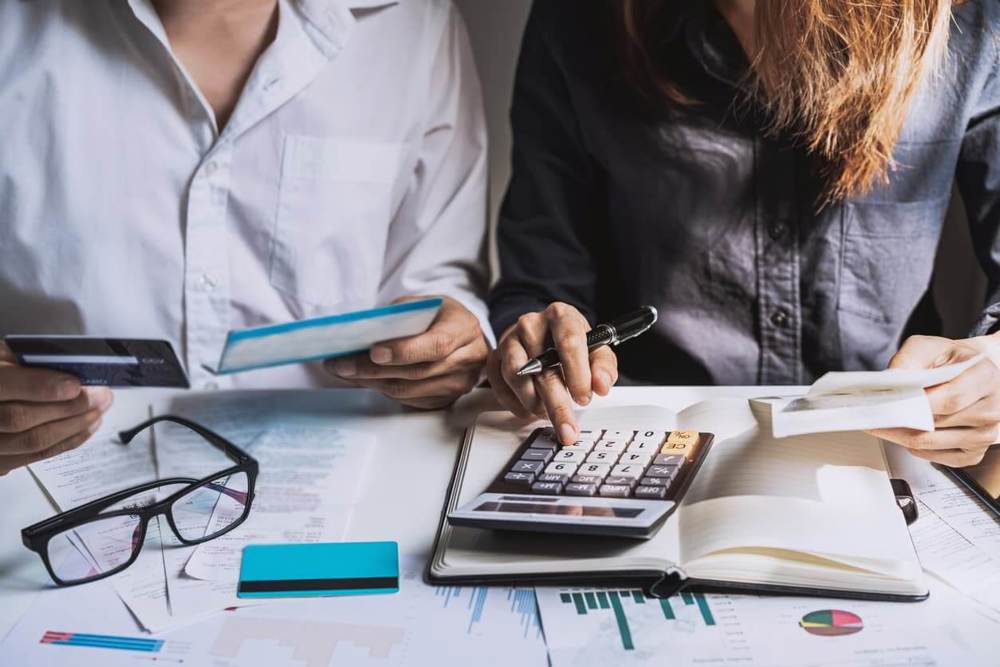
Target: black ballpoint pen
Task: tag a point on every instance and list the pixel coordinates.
(614, 333)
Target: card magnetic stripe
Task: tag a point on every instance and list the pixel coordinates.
(288, 585)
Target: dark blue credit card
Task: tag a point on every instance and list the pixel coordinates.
(109, 362)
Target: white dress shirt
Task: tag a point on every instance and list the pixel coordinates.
(352, 172)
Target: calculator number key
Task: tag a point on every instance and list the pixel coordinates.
(572, 454)
(630, 471)
(636, 458)
(602, 457)
(565, 469)
(650, 447)
(594, 469)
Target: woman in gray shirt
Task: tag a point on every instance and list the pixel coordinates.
(781, 209)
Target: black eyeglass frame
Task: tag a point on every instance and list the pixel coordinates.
(37, 536)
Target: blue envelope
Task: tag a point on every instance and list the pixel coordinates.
(317, 570)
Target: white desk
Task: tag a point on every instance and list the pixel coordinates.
(415, 449)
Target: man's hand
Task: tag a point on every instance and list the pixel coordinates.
(552, 392)
(966, 409)
(430, 370)
(44, 413)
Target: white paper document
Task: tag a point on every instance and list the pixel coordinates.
(309, 480)
(862, 400)
(955, 560)
(421, 625)
(591, 627)
(100, 466)
(310, 476)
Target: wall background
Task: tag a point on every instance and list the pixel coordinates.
(495, 28)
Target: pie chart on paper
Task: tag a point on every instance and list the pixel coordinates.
(831, 623)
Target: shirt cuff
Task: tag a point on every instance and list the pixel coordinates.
(475, 306)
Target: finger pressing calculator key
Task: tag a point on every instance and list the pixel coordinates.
(611, 481)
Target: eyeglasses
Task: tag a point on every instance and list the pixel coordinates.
(105, 536)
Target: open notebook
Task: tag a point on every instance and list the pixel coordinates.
(805, 514)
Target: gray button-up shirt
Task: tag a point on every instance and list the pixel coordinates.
(617, 202)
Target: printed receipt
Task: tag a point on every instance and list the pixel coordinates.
(861, 400)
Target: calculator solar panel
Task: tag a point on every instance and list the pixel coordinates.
(609, 482)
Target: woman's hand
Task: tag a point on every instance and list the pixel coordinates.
(966, 409)
(430, 370)
(552, 392)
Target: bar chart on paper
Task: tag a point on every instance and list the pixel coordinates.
(517, 601)
(602, 626)
(614, 601)
(626, 625)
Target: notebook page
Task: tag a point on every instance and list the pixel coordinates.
(823, 494)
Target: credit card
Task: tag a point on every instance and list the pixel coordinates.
(108, 362)
(319, 570)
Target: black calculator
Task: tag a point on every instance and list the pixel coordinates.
(610, 482)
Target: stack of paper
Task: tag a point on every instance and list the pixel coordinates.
(862, 400)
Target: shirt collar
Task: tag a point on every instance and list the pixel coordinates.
(710, 39)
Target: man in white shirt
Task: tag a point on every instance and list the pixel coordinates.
(179, 168)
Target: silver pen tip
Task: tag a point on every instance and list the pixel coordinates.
(532, 366)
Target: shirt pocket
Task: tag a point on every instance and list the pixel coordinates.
(891, 234)
(334, 209)
(887, 257)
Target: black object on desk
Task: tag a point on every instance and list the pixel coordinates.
(983, 479)
(613, 333)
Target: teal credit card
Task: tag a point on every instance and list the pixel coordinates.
(317, 570)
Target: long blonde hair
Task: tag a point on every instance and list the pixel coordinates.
(838, 75)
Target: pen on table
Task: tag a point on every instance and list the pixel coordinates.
(613, 333)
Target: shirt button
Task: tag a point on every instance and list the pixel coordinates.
(777, 230)
(779, 318)
(210, 167)
(206, 283)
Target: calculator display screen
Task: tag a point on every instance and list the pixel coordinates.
(568, 510)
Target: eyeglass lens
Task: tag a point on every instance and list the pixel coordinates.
(107, 543)
(212, 508)
(103, 544)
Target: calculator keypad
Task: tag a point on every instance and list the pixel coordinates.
(608, 463)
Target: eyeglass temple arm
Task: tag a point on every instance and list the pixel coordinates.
(217, 441)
